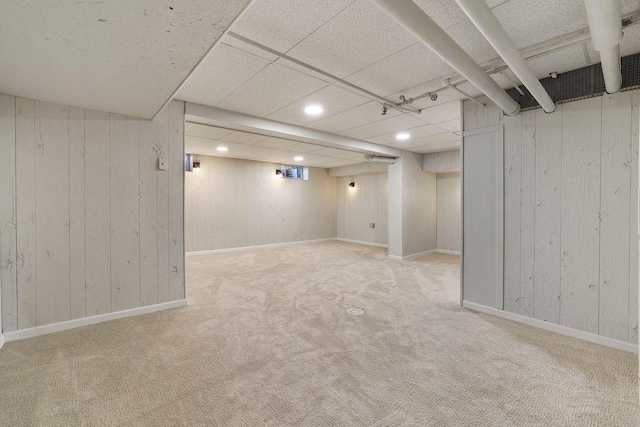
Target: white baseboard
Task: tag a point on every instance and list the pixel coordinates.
(361, 242)
(564, 330)
(2, 339)
(86, 321)
(249, 248)
(410, 257)
(447, 251)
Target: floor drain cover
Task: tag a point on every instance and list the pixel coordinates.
(355, 311)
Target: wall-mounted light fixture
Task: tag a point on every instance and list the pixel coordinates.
(196, 166)
(352, 184)
(278, 172)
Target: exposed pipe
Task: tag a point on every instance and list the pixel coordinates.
(380, 159)
(448, 84)
(606, 32)
(414, 20)
(484, 19)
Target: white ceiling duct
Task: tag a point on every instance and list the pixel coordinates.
(484, 19)
(606, 32)
(414, 20)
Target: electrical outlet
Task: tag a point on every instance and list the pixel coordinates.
(162, 164)
(372, 224)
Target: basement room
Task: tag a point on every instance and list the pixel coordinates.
(303, 213)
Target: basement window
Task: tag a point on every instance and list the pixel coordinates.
(295, 172)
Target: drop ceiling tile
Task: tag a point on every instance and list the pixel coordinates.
(451, 125)
(120, 56)
(560, 61)
(254, 152)
(446, 13)
(406, 68)
(332, 99)
(361, 115)
(339, 162)
(281, 24)
(276, 143)
(224, 70)
(394, 124)
(194, 144)
(442, 112)
(204, 131)
(198, 145)
(288, 156)
(416, 132)
(272, 88)
(244, 137)
(356, 38)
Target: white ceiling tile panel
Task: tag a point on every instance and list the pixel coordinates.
(204, 131)
(416, 132)
(332, 99)
(276, 143)
(393, 124)
(224, 70)
(194, 143)
(281, 24)
(451, 125)
(409, 67)
(356, 38)
(118, 56)
(357, 116)
(271, 89)
(244, 137)
(442, 113)
(197, 145)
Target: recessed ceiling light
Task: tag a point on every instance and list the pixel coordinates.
(298, 158)
(223, 149)
(403, 136)
(313, 110)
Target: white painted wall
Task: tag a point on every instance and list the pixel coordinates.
(235, 203)
(570, 211)
(361, 205)
(448, 211)
(88, 225)
(418, 206)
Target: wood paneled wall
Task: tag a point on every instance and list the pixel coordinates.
(234, 203)
(419, 223)
(571, 219)
(359, 206)
(448, 211)
(88, 224)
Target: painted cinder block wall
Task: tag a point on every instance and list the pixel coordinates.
(571, 212)
(88, 225)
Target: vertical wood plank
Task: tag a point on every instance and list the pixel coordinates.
(512, 196)
(615, 188)
(125, 213)
(633, 220)
(527, 214)
(176, 200)
(8, 239)
(470, 115)
(148, 212)
(76, 214)
(26, 212)
(581, 139)
(97, 212)
(162, 192)
(548, 194)
(52, 213)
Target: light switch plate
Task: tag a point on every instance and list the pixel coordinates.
(162, 164)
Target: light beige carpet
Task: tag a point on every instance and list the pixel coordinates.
(267, 341)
